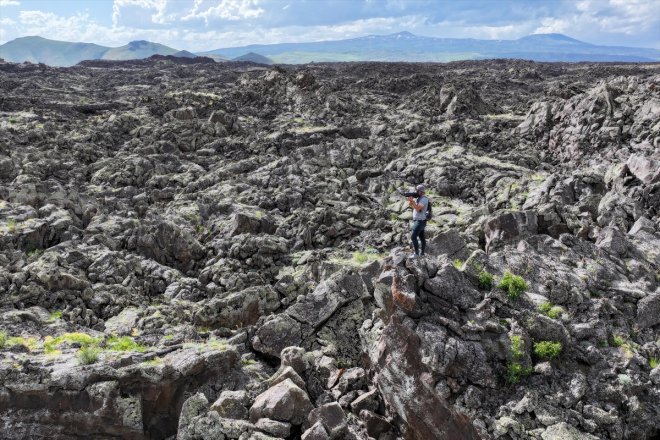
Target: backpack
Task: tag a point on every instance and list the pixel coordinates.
(429, 209)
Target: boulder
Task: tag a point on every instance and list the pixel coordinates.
(648, 310)
(332, 416)
(508, 227)
(231, 404)
(284, 402)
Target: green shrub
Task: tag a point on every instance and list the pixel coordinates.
(485, 280)
(11, 225)
(618, 341)
(55, 315)
(654, 362)
(88, 354)
(3, 338)
(547, 349)
(458, 263)
(517, 347)
(550, 311)
(515, 371)
(123, 343)
(514, 285)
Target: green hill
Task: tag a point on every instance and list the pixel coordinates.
(136, 50)
(63, 53)
(52, 52)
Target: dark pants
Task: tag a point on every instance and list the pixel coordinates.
(418, 231)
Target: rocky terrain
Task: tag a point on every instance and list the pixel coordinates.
(197, 250)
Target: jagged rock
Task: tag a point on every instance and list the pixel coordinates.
(367, 400)
(645, 169)
(376, 425)
(648, 310)
(240, 308)
(231, 405)
(561, 431)
(285, 373)
(277, 333)
(284, 402)
(316, 432)
(277, 429)
(509, 226)
(332, 416)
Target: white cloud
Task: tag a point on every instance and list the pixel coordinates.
(227, 10)
(9, 3)
(160, 6)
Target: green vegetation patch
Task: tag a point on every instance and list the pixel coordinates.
(654, 362)
(516, 371)
(550, 310)
(123, 343)
(517, 347)
(88, 354)
(485, 280)
(3, 338)
(547, 349)
(514, 285)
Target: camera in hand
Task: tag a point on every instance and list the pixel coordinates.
(410, 194)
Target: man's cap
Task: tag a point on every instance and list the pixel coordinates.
(420, 188)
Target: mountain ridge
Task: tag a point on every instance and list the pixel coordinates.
(401, 46)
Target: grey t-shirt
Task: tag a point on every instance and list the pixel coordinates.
(421, 215)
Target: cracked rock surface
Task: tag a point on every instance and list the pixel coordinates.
(195, 250)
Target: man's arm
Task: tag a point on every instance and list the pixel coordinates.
(416, 206)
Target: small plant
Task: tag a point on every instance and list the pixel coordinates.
(11, 225)
(3, 338)
(517, 347)
(29, 343)
(360, 257)
(514, 285)
(155, 361)
(123, 343)
(247, 362)
(458, 263)
(618, 341)
(485, 280)
(547, 349)
(55, 315)
(550, 311)
(654, 362)
(12, 120)
(88, 354)
(515, 371)
(35, 253)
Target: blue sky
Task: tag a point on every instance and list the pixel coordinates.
(198, 25)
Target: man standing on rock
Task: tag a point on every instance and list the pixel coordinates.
(420, 207)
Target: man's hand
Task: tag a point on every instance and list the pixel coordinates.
(410, 199)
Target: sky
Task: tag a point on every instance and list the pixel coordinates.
(198, 25)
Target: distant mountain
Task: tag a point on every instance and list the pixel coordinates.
(402, 46)
(54, 53)
(254, 57)
(405, 46)
(185, 54)
(136, 50)
(62, 53)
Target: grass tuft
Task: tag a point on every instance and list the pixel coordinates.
(3, 338)
(550, 311)
(514, 285)
(88, 354)
(485, 280)
(123, 343)
(547, 349)
(515, 371)
(654, 362)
